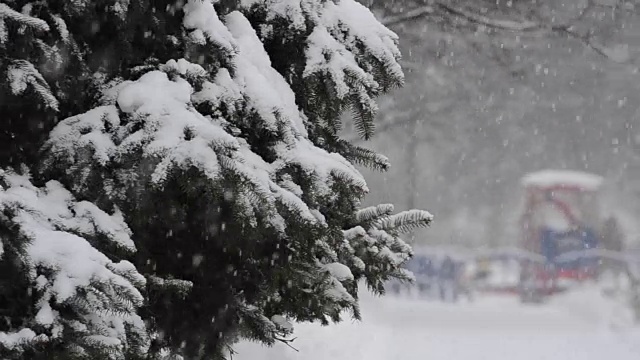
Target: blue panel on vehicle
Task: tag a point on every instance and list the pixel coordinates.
(555, 243)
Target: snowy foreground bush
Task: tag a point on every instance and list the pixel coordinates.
(172, 177)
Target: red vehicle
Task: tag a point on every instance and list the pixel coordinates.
(560, 221)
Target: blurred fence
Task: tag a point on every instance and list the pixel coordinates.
(616, 262)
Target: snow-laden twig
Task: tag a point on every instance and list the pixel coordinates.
(8, 13)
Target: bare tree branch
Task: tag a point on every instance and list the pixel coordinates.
(412, 14)
(532, 27)
(522, 26)
(586, 39)
(287, 342)
(502, 24)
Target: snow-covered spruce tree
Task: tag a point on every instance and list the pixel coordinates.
(213, 128)
(60, 297)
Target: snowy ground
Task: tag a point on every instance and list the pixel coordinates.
(581, 326)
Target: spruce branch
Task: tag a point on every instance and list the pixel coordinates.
(8, 13)
(22, 74)
(363, 119)
(374, 212)
(363, 156)
(405, 221)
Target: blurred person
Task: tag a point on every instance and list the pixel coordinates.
(425, 269)
(528, 286)
(484, 269)
(447, 280)
(466, 275)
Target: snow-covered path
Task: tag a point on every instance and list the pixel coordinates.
(493, 328)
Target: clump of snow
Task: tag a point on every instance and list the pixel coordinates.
(281, 322)
(326, 55)
(339, 271)
(17, 339)
(86, 131)
(354, 232)
(292, 10)
(325, 166)
(223, 89)
(153, 92)
(184, 67)
(201, 16)
(113, 226)
(338, 293)
(164, 133)
(267, 91)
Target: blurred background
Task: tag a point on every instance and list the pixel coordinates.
(496, 89)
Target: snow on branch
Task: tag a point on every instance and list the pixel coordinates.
(374, 244)
(362, 156)
(22, 74)
(370, 249)
(62, 28)
(4, 35)
(16, 341)
(254, 83)
(373, 212)
(173, 136)
(201, 18)
(351, 52)
(8, 13)
(405, 221)
(83, 298)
